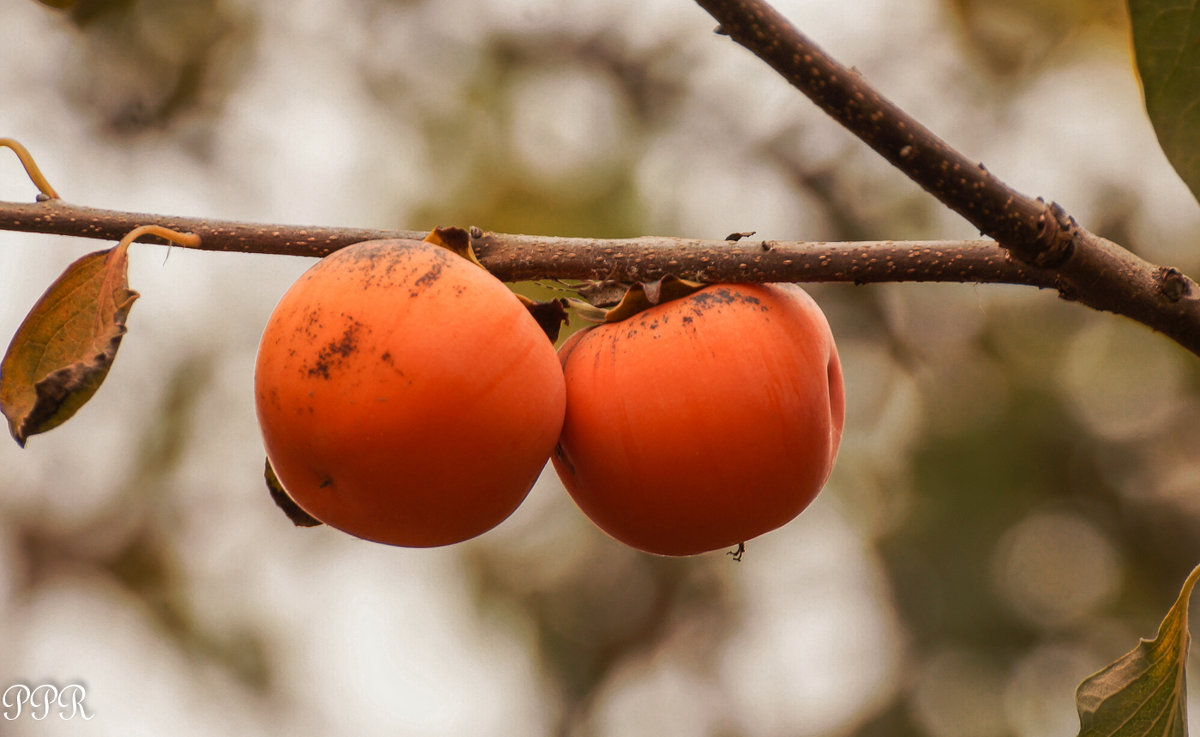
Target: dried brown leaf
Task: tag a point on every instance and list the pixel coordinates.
(550, 315)
(63, 350)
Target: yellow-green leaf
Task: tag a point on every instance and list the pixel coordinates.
(1166, 43)
(1144, 692)
(66, 345)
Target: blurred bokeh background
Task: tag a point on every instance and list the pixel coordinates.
(1018, 494)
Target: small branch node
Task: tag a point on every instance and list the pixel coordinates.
(1055, 237)
(1172, 284)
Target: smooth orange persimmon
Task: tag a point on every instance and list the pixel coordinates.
(702, 422)
(405, 395)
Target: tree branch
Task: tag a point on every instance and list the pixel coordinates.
(1039, 244)
(1088, 268)
(1029, 227)
(56, 217)
(523, 257)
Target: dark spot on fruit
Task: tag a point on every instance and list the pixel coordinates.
(387, 359)
(432, 275)
(562, 456)
(333, 354)
(612, 354)
(712, 298)
(311, 324)
(723, 296)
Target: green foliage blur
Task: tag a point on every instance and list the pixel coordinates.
(1021, 472)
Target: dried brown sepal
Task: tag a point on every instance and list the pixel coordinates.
(644, 295)
(550, 316)
(456, 240)
(587, 311)
(606, 293)
(740, 235)
(279, 495)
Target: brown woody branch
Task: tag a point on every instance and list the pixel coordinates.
(1035, 231)
(1170, 295)
(1039, 244)
(1087, 268)
(522, 257)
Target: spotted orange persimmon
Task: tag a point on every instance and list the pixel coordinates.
(405, 395)
(702, 422)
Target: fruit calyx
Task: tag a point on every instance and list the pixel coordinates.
(550, 315)
(637, 297)
(455, 240)
(284, 501)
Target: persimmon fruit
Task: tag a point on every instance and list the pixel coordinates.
(405, 395)
(704, 421)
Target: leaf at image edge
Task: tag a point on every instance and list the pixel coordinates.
(1144, 692)
(1166, 42)
(64, 348)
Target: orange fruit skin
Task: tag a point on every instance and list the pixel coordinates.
(702, 422)
(405, 395)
